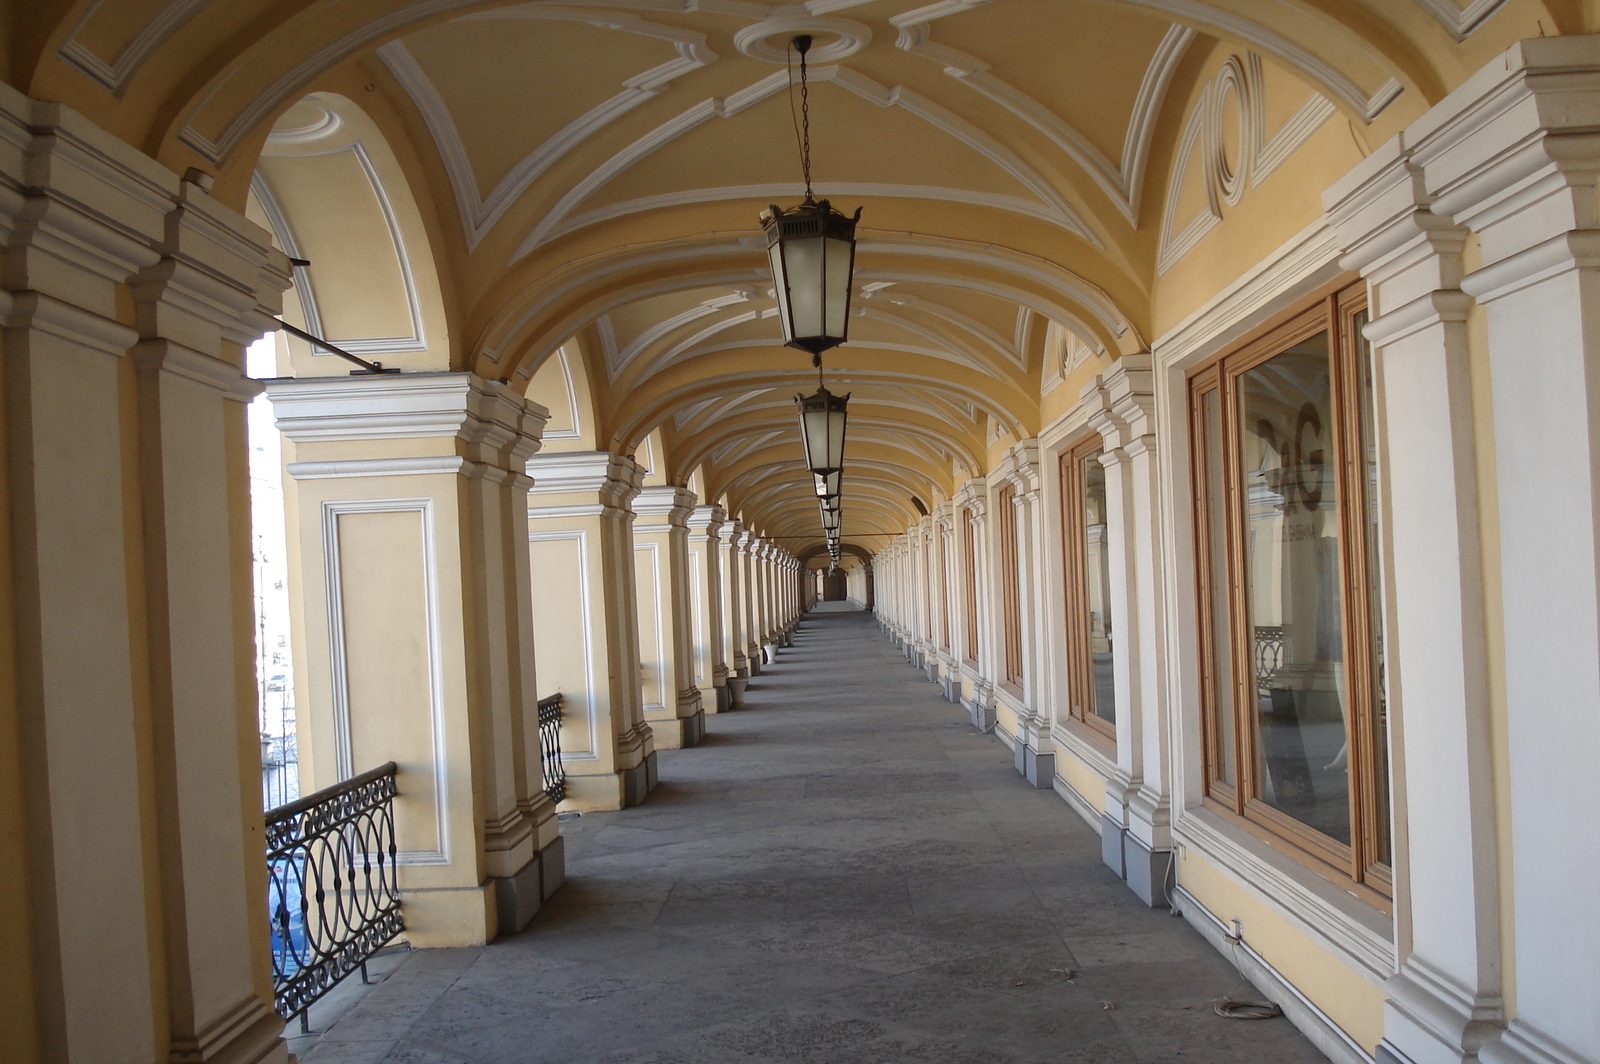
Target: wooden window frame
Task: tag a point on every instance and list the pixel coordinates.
(1010, 589)
(1079, 656)
(1354, 866)
(969, 548)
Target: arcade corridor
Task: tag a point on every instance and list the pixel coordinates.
(844, 871)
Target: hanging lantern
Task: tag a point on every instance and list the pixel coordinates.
(812, 250)
(822, 422)
(830, 521)
(827, 484)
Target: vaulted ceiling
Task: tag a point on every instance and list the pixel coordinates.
(585, 177)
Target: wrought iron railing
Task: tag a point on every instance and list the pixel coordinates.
(555, 774)
(1271, 650)
(331, 886)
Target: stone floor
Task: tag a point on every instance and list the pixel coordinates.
(843, 872)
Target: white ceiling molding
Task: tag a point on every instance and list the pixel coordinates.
(849, 38)
(1057, 209)
(1460, 22)
(941, 352)
(1124, 184)
(661, 328)
(324, 127)
(660, 408)
(480, 213)
(695, 263)
(791, 190)
(284, 232)
(608, 343)
(116, 74)
(365, 345)
(576, 431)
(1006, 348)
(1292, 55)
(1243, 81)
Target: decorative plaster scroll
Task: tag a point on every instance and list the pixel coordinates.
(480, 213)
(1460, 22)
(1057, 209)
(1242, 82)
(1124, 184)
(116, 74)
(333, 579)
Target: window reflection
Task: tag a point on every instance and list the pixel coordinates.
(1286, 427)
(1097, 573)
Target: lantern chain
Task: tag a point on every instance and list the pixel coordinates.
(802, 45)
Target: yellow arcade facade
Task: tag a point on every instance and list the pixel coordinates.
(1224, 425)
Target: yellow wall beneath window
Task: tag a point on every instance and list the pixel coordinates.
(1343, 994)
(1081, 778)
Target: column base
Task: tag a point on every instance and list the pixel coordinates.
(1144, 870)
(1038, 769)
(599, 792)
(948, 687)
(519, 896)
(639, 781)
(982, 713)
(724, 698)
(677, 733)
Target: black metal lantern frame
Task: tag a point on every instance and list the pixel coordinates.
(812, 250)
(823, 418)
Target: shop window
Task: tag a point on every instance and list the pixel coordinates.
(1010, 587)
(1090, 639)
(1294, 716)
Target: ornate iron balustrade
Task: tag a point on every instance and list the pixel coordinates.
(555, 774)
(331, 887)
(1271, 649)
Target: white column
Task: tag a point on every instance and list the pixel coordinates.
(733, 641)
(750, 623)
(1445, 999)
(705, 579)
(661, 562)
(417, 627)
(586, 620)
(1512, 156)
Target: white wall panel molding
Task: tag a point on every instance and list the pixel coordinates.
(1461, 22)
(333, 577)
(579, 536)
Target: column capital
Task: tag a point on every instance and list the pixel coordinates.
(1511, 153)
(705, 522)
(973, 495)
(663, 506)
(490, 425)
(616, 478)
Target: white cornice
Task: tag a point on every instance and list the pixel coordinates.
(402, 406)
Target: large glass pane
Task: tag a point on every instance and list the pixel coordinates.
(1217, 564)
(1286, 433)
(1369, 482)
(1097, 574)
